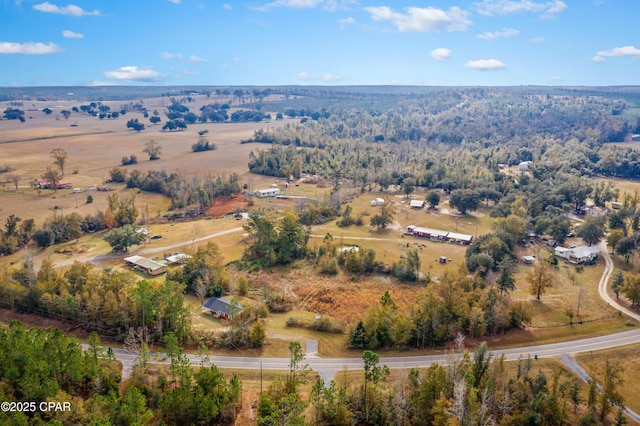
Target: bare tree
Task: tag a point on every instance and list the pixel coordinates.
(14, 178)
(59, 156)
(153, 148)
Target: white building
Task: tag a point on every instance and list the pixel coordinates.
(271, 192)
(578, 255)
(416, 204)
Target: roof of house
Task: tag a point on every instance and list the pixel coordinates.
(416, 203)
(462, 237)
(529, 258)
(220, 305)
(585, 251)
(144, 262)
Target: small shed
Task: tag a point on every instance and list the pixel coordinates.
(443, 259)
(221, 308)
(528, 260)
(416, 204)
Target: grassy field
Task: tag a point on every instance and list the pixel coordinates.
(627, 358)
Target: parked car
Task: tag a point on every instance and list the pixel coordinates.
(156, 237)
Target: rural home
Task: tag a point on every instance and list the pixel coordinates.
(438, 235)
(221, 308)
(271, 192)
(148, 266)
(47, 184)
(416, 204)
(578, 255)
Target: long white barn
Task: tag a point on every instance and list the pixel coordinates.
(439, 235)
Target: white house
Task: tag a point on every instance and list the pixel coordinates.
(578, 255)
(271, 192)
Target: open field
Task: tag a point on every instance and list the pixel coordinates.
(96, 146)
(627, 357)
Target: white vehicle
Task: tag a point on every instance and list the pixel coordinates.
(77, 190)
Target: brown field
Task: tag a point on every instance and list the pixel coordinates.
(96, 146)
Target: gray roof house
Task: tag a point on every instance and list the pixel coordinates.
(222, 308)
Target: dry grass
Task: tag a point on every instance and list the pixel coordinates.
(628, 358)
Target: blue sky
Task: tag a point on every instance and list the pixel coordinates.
(319, 42)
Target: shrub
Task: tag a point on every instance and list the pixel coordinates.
(89, 199)
(328, 265)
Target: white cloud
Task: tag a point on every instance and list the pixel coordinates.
(346, 21)
(133, 73)
(29, 48)
(175, 1)
(536, 39)
(304, 76)
(188, 72)
(427, 19)
(556, 78)
(617, 52)
(167, 55)
(505, 33)
(71, 34)
(485, 65)
(440, 54)
(71, 9)
(546, 9)
(331, 77)
(195, 58)
(100, 83)
(330, 5)
(227, 6)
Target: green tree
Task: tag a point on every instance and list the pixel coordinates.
(120, 239)
(373, 374)
(408, 186)
(617, 284)
(133, 409)
(506, 282)
(464, 200)
(297, 371)
(385, 217)
(592, 230)
(632, 289)
(433, 198)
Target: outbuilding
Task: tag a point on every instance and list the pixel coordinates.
(148, 266)
(416, 204)
(271, 192)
